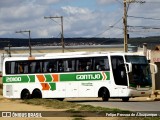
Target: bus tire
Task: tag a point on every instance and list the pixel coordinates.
(104, 93)
(36, 93)
(25, 94)
(60, 99)
(125, 99)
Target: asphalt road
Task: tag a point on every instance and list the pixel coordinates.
(132, 105)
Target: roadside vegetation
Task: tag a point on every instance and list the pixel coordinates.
(80, 112)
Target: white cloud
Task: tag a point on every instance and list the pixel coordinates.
(75, 10)
(79, 20)
(83, 22)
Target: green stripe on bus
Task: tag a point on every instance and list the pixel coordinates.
(107, 75)
(48, 78)
(67, 77)
(63, 77)
(32, 78)
(18, 79)
(53, 86)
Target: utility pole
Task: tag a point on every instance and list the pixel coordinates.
(125, 27)
(9, 47)
(62, 36)
(125, 21)
(29, 33)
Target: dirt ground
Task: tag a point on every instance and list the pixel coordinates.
(17, 105)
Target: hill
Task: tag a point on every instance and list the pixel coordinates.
(18, 42)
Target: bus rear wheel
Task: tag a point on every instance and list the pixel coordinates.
(36, 93)
(60, 99)
(25, 94)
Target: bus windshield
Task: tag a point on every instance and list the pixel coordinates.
(140, 71)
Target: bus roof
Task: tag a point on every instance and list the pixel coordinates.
(69, 55)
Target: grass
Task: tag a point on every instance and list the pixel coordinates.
(71, 107)
(52, 103)
(79, 112)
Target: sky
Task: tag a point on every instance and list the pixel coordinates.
(81, 18)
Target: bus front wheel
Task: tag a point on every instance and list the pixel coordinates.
(25, 94)
(105, 94)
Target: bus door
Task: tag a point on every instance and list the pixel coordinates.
(119, 75)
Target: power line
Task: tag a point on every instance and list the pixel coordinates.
(144, 18)
(62, 36)
(107, 28)
(29, 33)
(110, 27)
(152, 2)
(145, 27)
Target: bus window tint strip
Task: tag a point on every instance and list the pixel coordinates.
(58, 65)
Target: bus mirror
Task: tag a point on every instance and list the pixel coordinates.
(154, 69)
(129, 67)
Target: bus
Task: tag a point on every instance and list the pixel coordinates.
(77, 74)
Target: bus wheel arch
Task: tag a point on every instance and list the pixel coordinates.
(104, 93)
(36, 93)
(25, 94)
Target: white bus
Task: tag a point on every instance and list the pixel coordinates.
(77, 74)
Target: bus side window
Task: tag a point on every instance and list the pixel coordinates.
(88, 66)
(32, 67)
(98, 68)
(8, 67)
(84, 64)
(52, 66)
(60, 66)
(106, 64)
(101, 63)
(13, 70)
(38, 67)
(25, 67)
(80, 65)
(20, 68)
(69, 65)
(73, 65)
(44, 66)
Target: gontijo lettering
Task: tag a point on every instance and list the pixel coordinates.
(88, 76)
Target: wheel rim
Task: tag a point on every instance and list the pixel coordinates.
(25, 95)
